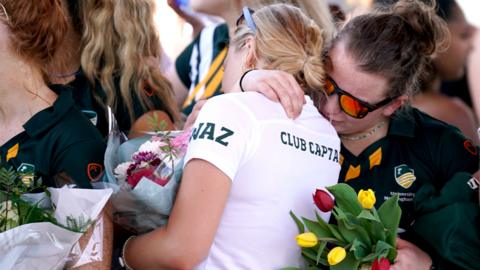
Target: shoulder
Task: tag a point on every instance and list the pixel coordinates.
(253, 104)
(428, 125)
(73, 126)
(441, 137)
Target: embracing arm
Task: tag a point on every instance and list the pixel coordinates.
(185, 241)
(278, 86)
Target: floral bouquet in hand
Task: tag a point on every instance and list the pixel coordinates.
(39, 230)
(145, 173)
(362, 238)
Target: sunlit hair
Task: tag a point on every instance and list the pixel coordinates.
(120, 41)
(317, 10)
(396, 42)
(37, 28)
(287, 40)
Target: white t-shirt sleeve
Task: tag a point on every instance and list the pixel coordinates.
(221, 134)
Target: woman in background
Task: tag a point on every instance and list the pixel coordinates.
(449, 65)
(42, 135)
(120, 65)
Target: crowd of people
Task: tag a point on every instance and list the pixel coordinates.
(275, 75)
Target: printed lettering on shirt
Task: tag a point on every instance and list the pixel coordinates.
(402, 196)
(312, 147)
(210, 131)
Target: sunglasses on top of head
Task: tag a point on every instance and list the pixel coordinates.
(351, 105)
(247, 17)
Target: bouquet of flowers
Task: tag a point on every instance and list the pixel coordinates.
(362, 238)
(39, 230)
(145, 173)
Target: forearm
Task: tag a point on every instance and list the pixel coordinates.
(154, 251)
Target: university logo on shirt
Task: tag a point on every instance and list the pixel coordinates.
(404, 176)
(27, 173)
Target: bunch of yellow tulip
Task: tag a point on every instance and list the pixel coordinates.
(362, 236)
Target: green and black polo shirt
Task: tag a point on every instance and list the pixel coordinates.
(200, 65)
(417, 150)
(57, 142)
(83, 96)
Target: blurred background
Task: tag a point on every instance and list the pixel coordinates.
(175, 34)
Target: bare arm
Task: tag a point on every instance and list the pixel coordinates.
(194, 21)
(473, 72)
(144, 123)
(186, 239)
(278, 86)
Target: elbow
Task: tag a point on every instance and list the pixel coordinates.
(185, 262)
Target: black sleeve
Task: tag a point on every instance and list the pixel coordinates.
(82, 162)
(456, 153)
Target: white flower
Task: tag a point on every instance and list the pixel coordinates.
(152, 146)
(121, 170)
(9, 214)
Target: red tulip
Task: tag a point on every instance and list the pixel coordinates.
(382, 264)
(323, 200)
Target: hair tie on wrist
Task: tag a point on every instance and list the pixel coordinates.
(243, 76)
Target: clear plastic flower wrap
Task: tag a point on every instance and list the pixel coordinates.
(144, 173)
(62, 217)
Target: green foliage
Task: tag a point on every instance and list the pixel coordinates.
(155, 124)
(14, 211)
(78, 224)
(365, 234)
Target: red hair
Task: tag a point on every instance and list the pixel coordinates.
(37, 28)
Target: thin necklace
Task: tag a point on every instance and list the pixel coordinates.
(365, 135)
(40, 97)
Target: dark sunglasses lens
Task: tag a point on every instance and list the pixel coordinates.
(352, 107)
(329, 87)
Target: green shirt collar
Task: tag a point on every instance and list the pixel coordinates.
(403, 124)
(44, 120)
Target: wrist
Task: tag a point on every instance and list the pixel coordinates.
(240, 83)
(122, 259)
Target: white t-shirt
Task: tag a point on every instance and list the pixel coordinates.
(275, 165)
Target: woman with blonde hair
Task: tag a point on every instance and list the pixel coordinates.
(120, 56)
(197, 73)
(238, 184)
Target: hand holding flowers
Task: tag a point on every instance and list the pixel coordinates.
(362, 238)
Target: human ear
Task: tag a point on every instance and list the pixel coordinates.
(394, 105)
(250, 58)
